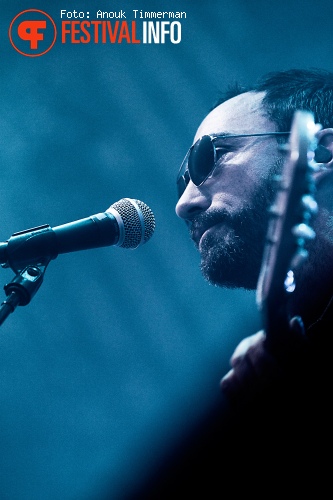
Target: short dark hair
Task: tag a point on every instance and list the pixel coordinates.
(291, 90)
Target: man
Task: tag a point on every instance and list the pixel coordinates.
(279, 420)
(227, 213)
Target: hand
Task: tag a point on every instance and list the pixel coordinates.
(253, 367)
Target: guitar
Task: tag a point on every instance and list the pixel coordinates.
(288, 230)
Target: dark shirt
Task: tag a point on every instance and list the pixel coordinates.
(278, 443)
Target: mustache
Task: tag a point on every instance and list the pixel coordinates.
(199, 224)
(240, 222)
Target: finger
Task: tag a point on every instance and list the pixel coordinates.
(244, 345)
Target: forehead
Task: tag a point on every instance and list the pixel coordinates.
(240, 114)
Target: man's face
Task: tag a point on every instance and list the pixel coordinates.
(227, 215)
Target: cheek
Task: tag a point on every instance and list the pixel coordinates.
(244, 178)
(236, 187)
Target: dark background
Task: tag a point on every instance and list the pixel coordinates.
(120, 350)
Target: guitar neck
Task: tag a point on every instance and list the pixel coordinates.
(288, 232)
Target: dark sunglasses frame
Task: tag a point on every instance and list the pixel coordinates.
(200, 160)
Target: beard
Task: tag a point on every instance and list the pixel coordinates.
(232, 250)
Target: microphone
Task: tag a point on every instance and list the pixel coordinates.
(128, 223)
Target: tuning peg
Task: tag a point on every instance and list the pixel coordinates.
(300, 256)
(303, 231)
(289, 282)
(316, 167)
(309, 204)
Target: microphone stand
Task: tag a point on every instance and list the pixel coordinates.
(22, 289)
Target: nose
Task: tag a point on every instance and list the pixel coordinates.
(192, 202)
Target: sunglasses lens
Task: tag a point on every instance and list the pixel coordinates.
(201, 160)
(197, 165)
(183, 177)
(182, 182)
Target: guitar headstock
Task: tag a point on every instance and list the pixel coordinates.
(290, 216)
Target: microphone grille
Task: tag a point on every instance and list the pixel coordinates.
(138, 222)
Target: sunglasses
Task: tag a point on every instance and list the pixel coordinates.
(201, 159)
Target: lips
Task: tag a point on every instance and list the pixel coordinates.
(198, 233)
(204, 222)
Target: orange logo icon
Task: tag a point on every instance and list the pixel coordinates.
(32, 33)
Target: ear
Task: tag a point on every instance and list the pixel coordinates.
(324, 153)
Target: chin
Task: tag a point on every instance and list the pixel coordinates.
(229, 265)
(231, 252)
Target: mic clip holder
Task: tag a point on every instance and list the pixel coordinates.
(19, 253)
(22, 288)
